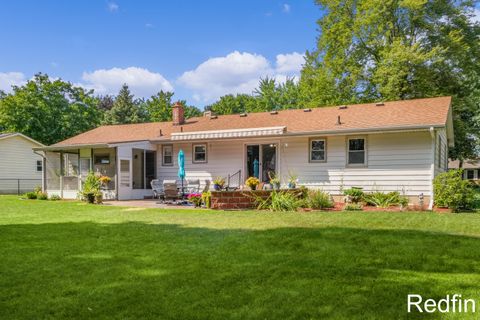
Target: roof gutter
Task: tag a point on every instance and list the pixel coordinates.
(71, 147)
(332, 132)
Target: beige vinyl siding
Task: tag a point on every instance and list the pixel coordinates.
(395, 162)
(441, 151)
(17, 161)
(224, 157)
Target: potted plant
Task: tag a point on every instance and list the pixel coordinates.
(195, 198)
(218, 183)
(252, 183)
(104, 181)
(292, 180)
(274, 180)
(99, 197)
(91, 187)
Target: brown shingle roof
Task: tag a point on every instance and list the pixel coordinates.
(395, 114)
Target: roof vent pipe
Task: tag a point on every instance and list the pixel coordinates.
(307, 110)
(339, 122)
(243, 114)
(274, 112)
(380, 104)
(342, 107)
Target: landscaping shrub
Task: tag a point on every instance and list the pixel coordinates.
(451, 191)
(354, 194)
(207, 199)
(353, 207)
(318, 199)
(280, 201)
(55, 197)
(42, 196)
(91, 187)
(385, 200)
(195, 198)
(31, 195)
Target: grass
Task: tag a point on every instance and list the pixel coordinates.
(64, 260)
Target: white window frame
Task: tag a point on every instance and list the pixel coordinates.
(324, 149)
(39, 165)
(164, 148)
(193, 152)
(365, 148)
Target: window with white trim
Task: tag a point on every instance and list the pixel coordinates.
(318, 148)
(199, 153)
(167, 155)
(39, 166)
(356, 151)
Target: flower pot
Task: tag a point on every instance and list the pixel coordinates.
(292, 185)
(99, 198)
(217, 187)
(253, 188)
(90, 197)
(276, 186)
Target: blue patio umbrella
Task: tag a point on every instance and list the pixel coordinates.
(256, 168)
(181, 167)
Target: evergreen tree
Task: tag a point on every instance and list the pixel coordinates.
(125, 109)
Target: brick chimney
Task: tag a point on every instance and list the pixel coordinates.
(178, 114)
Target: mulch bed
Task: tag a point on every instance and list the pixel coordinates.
(340, 206)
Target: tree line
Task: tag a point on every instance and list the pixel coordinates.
(366, 51)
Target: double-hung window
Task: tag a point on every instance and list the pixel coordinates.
(357, 154)
(39, 165)
(199, 153)
(167, 155)
(318, 149)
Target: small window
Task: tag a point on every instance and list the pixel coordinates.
(167, 158)
(470, 174)
(199, 153)
(356, 151)
(39, 166)
(102, 159)
(317, 150)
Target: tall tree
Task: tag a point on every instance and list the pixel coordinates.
(48, 111)
(125, 109)
(159, 107)
(230, 104)
(388, 50)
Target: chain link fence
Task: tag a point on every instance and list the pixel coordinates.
(18, 186)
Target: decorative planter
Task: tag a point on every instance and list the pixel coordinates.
(292, 185)
(217, 187)
(99, 198)
(90, 197)
(253, 187)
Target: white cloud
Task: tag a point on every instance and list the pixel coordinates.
(8, 79)
(142, 82)
(112, 7)
(286, 8)
(290, 63)
(237, 73)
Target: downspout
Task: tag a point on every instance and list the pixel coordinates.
(44, 171)
(432, 167)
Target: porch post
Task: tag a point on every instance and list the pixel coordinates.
(61, 174)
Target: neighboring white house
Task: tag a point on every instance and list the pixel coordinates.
(391, 146)
(21, 169)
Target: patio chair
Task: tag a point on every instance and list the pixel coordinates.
(193, 186)
(170, 190)
(157, 188)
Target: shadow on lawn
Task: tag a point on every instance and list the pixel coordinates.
(136, 270)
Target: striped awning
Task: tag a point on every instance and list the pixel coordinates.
(228, 134)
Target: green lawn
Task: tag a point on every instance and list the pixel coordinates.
(72, 260)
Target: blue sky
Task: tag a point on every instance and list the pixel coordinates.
(199, 49)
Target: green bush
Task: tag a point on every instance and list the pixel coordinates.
(451, 191)
(91, 187)
(385, 200)
(55, 197)
(355, 194)
(31, 195)
(280, 201)
(353, 207)
(42, 196)
(318, 199)
(207, 199)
